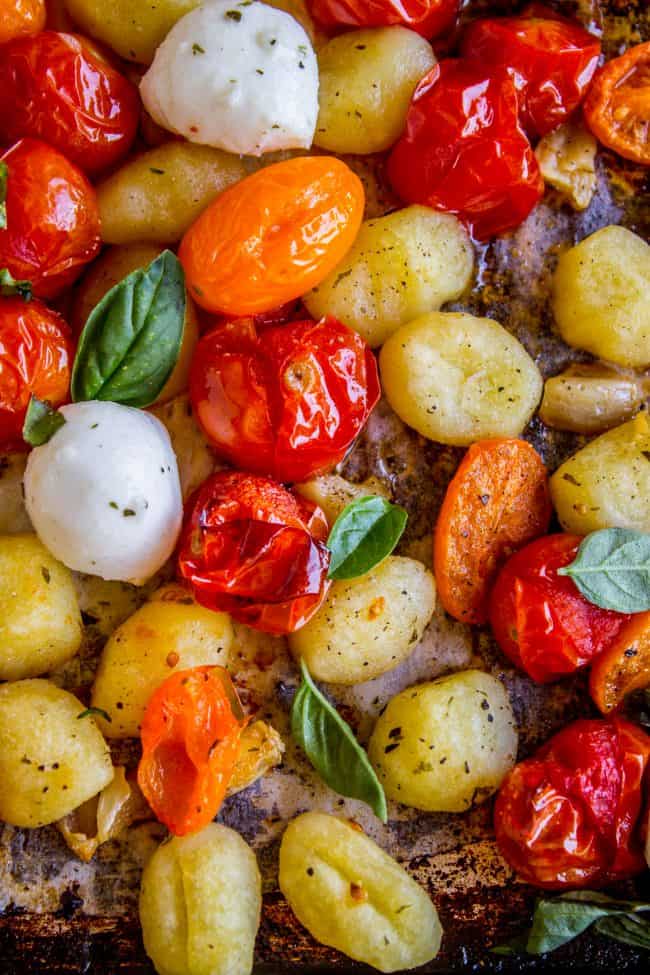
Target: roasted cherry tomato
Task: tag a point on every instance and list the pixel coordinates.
(19, 18)
(190, 734)
(497, 501)
(624, 667)
(428, 17)
(255, 550)
(551, 60)
(54, 87)
(52, 218)
(569, 816)
(464, 151)
(540, 619)
(274, 235)
(286, 400)
(35, 358)
(617, 108)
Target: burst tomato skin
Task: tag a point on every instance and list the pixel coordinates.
(52, 218)
(285, 400)
(551, 60)
(253, 549)
(540, 619)
(274, 235)
(53, 87)
(617, 106)
(568, 817)
(428, 17)
(19, 18)
(463, 150)
(190, 734)
(35, 358)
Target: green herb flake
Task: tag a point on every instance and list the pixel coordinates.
(4, 175)
(259, 71)
(363, 535)
(10, 287)
(91, 712)
(197, 49)
(128, 513)
(114, 504)
(45, 572)
(41, 422)
(234, 15)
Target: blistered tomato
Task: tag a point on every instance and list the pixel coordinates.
(540, 619)
(428, 17)
(551, 60)
(464, 151)
(54, 87)
(52, 218)
(617, 108)
(19, 18)
(35, 358)
(286, 400)
(255, 550)
(569, 816)
(274, 235)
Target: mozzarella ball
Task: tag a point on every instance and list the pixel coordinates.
(239, 76)
(104, 494)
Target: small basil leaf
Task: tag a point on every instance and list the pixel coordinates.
(366, 531)
(41, 422)
(131, 341)
(4, 174)
(332, 749)
(10, 287)
(92, 712)
(627, 928)
(612, 570)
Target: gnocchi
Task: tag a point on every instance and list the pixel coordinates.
(447, 745)
(367, 78)
(607, 483)
(169, 632)
(369, 625)
(200, 903)
(40, 621)
(333, 493)
(591, 398)
(600, 296)
(195, 457)
(400, 266)
(52, 757)
(351, 895)
(455, 378)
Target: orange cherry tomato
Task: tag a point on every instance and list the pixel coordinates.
(52, 218)
(617, 108)
(271, 237)
(497, 501)
(624, 667)
(190, 734)
(19, 18)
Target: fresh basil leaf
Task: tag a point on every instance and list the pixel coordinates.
(612, 570)
(132, 339)
(366, 531)
(10, 287)
(93, 711)
(41, 422)
(332, 749)
(627, 928)
(4, 175)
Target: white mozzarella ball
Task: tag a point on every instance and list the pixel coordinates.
(238, 76)
(104, 493)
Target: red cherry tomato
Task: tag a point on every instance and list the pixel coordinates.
(54, 87)
(52, 218)
(35, 357)
(190, 734)
(21, 17)
(540, 619)
(464, 151)
(286, 400)
(252, 549)
(551, 60)
(428, 17)
(569, 816)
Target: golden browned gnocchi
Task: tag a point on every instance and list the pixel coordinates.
(607, 483)
(200, 903)
(367, 78)
(592, 398)
(158, 194)
(52, 757)
(400, 266)
(456, 378)
(40, 621)
(171, 632)
(601, 296)
(103, 274)
(446, 745)
(333, 493)
(351, 895)
(369, 625)
(133, 30)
